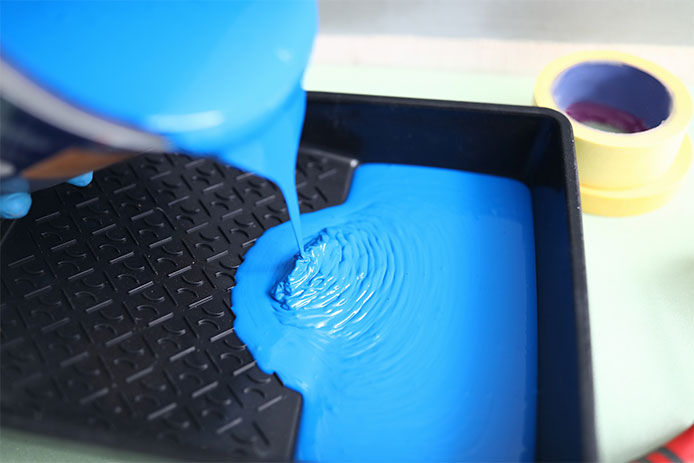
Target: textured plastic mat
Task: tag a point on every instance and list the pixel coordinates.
(115, 308)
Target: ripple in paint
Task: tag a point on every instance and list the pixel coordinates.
(409, 324)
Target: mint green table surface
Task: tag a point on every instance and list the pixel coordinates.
(640, 286)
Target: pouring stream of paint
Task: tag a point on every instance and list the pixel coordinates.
(272, 152)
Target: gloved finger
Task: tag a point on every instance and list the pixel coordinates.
(14, 205)
(82, 180)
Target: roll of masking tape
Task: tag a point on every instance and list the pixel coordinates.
(629, 118)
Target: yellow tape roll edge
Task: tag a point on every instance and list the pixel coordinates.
(626, 173)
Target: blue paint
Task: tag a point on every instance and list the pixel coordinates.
(272, 153)
(212, 77)
(615, 85)
(409, 323)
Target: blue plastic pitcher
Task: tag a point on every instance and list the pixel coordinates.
(88, 83)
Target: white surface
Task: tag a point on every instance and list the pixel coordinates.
(667, 22)
(524, 58)
(641, 296)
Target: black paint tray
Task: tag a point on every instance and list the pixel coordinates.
(114, 310)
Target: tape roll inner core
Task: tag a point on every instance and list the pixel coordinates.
(612, 96)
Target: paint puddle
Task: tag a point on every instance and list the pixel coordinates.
(409, 323)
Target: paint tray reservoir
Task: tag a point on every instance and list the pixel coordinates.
(117, 322)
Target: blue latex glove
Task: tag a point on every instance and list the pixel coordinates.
(16, 205)
(82, 180)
